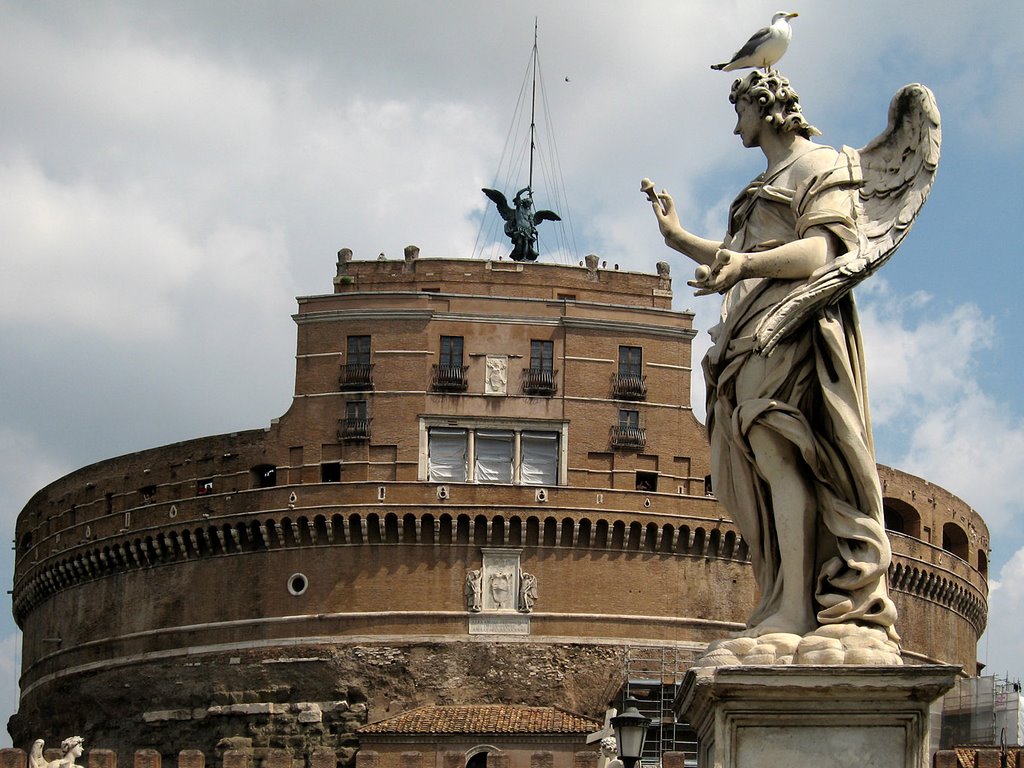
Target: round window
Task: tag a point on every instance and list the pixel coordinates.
(297, 583)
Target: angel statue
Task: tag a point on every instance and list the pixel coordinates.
(521, 222)
(792, 458)
(71, 749)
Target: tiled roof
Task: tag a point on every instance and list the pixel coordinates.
(965, 756)
(484, 718)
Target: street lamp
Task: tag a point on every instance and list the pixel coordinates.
(630, 731)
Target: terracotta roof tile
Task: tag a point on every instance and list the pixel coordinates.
(965, 756)
(485, 718)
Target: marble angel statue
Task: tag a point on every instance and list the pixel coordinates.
(791, 446)
(71, 749)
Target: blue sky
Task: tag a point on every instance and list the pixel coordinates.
(173, 175)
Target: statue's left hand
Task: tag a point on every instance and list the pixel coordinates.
(725, 271)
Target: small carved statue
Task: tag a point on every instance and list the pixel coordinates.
(609, 753)
(527, 591)
(521, 222)
(474, 591)
(71, 748)
(35, 756)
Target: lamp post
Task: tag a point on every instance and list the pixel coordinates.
(630, 731)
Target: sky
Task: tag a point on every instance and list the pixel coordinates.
(173, 175)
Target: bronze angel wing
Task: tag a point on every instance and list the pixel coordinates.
(504, 209)
(898, 168)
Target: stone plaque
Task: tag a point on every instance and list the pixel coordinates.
(499, 624)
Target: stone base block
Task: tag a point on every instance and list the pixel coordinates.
(813, 716)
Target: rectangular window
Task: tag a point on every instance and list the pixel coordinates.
(629, 419)
(355, 410)
(358, 350)
(493, 456)
(541, 355)
(539, 458)
(330, 472)
(451, 351)
(446, 455)
(630, 361)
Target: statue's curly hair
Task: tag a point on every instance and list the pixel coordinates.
(778, 103)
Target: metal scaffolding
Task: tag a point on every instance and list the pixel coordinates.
(983, 711)
(653, 677)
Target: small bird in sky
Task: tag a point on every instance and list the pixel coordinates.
(765, 47)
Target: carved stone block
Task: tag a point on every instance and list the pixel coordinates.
(808, 716)
(191, 758)
(101, 758)
(147, 758)
(13, 758)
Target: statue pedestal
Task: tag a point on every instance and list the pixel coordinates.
(797, 716)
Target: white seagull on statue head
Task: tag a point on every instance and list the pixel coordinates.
(765, 47)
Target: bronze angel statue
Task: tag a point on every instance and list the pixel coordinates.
(521, 222)
(787, 410)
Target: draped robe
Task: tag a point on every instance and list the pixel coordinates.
(812, 394)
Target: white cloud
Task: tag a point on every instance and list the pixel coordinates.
(931, 416)
(1001, 647)
(9, 647)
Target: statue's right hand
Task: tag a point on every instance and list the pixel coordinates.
(665, 209)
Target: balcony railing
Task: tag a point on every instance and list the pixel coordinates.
(356, 376)
(353, 430)
(449, 378)
(629, 386)
(628, 437)
(539, 381)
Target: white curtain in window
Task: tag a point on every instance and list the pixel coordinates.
(493, 456)
(446, 456)
(539, 458)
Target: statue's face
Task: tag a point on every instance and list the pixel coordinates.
(748, 122)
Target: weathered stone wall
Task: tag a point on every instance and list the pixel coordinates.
(304, 698)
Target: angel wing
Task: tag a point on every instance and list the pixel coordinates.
(504, 209)
(898, 167)
(545, 215)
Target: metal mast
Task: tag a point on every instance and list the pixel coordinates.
(533, 106)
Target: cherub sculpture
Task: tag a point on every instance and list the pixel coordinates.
(787, 411)
(521, 222)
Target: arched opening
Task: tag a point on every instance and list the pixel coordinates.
(983, 563)
(498, 531)
(550, 532)
(391, 528)
(954, 540)
(901, 517)
(635, 532)
(409, 529)
(462, 530)
(480, 531)
(618, 534)
(444, 536)
(515, 532)
(583, 536)
(567, 532)
(651, 537)
(532, 532)
(601, 534)
(714, 542)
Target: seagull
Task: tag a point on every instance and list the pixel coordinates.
(766, 46)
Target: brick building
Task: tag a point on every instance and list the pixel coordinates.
(490, 488)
